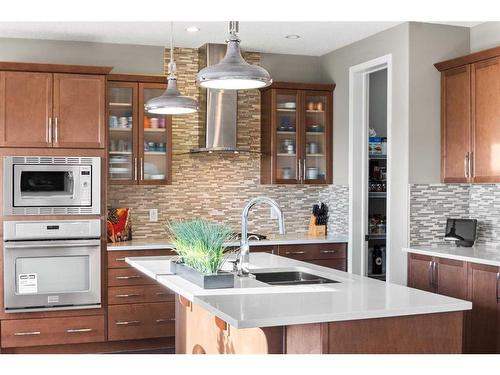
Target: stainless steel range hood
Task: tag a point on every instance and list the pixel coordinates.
(218, 108)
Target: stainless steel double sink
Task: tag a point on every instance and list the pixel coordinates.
(291, 278)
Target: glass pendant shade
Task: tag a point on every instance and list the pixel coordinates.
(233, 72)
(171, 102)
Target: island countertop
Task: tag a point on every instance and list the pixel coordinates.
(482, 254)
(288, 239)
(252, 303)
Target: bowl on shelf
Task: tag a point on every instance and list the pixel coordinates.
(157, 177)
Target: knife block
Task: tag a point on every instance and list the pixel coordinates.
(316, 230)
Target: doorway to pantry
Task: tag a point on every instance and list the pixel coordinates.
(369, 167)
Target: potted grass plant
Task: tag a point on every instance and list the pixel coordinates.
(201, 246)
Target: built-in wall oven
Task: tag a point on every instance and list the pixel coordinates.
(52, 265)
(51, 185)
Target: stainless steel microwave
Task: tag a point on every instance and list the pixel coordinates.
(51, 185)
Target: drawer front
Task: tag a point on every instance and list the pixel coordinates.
(52, 331)
(314, 251)
(119, 295)
(128, 277)
(141, 321)
(271, 249)
(116, 259)
(338, 264)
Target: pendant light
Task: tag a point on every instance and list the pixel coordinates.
(171, 102)
(233, 72)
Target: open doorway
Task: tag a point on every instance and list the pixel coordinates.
(369, 167)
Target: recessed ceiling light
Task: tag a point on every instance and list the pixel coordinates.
(192, 29)
(292, 36)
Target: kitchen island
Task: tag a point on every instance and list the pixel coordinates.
(352, 315)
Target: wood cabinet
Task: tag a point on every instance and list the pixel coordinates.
(140, 144)
(79, 111)
(52, 331)
(25, 109)
(483, 323)
(332, 255)
(470, 114)
(438, 275)
(477, 283)
(296, 133)
(138, 308)
(50, 109)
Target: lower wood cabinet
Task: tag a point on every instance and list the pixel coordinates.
(52, 331)
(140, 321)
(484, 319)
(121, 295)
(477, 283)
(333, 255)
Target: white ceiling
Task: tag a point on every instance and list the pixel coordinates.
(317, 38)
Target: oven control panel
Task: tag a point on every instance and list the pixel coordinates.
(86, 185)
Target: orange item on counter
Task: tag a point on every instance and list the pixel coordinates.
(147, 123)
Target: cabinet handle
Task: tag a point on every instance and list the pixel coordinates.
(434, 274)
(294, 252)
(431, 278)
(127, 322)
(128, 295)
(142, 169)
(34, 333)
(303, 169)
(79, 330)
(298, 170)
(471, 164)
(498, 278)
(328, 251)
(120, 259)
(135, 169)
(56, 130)
(162, 293)
(128, 277)
(49, 130)
(159, 321)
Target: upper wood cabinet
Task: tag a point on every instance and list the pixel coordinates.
(296, 133)
(79, 111)
(140, 143)
(25, 109)
(45, 105)
(470, 118)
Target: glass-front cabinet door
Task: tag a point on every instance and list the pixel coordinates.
(316, 135)
(155, 139)
(287, 166)
(122, 125)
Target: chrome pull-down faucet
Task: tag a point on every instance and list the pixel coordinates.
(244, 257)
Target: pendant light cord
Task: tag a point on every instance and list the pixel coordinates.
(171, 65)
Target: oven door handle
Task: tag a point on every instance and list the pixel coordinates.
(49, 244)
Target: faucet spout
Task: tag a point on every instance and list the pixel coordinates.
(244, 259)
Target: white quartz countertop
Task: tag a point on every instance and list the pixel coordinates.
(252, 303)
(287, 239)
(482, 254)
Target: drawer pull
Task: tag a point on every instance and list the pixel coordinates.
(34, 333)
(128, 295)
(294, 252)
(159, 321)
(162, 293)
(128, 277)
(120, 259)
(79, 330)
(127, 322)
(328, 251)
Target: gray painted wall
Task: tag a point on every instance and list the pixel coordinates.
(485, 35)
(335, 66)
(429, 43)
(292, 68)
(125, 58)
(378, 102)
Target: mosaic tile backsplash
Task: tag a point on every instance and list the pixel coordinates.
(431, 205)
(217, 187)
